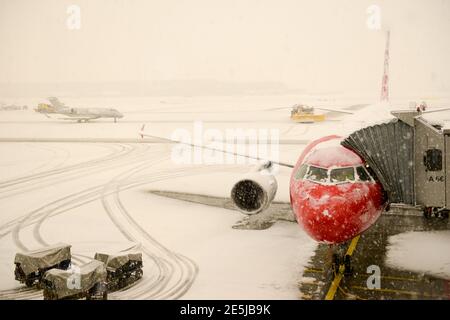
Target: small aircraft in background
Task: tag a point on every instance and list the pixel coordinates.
(77, 114)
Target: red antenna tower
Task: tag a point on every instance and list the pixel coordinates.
(385, 80)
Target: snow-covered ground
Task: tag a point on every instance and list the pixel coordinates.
(422, 252)
(95, 195)
(190, 250)
(195, 244)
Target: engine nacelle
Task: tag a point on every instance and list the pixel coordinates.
(255, 191)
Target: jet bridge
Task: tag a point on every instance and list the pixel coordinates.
(411, 158)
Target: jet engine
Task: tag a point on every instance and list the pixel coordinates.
(255, 191)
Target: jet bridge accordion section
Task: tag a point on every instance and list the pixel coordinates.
(389, 151)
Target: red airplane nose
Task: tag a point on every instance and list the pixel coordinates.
(335, 214)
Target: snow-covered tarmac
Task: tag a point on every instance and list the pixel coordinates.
(95, 197)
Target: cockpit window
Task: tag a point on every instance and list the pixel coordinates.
(301, 171)
(342, 175)
(362, 174)
(372, 173)
(317, 174)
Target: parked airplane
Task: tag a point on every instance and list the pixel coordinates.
(77, 114)
(334, 195)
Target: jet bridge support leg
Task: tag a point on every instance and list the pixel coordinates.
(430, 212)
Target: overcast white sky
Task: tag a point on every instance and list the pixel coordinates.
(316, 45)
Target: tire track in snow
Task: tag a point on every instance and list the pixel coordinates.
(39, 215)
(17, 224)
(16, 186)
(162, 285)
(184, 269)
(118, 162)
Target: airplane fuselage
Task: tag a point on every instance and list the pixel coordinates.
(92, 113)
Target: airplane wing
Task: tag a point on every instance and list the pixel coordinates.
(333, 110)
(346, 110)
(352, 109)
(277, 210)
(436, 110)
(357, 107)
(143, 134)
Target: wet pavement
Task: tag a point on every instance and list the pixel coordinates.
(318, 277)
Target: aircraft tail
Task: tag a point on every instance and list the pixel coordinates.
(385, 79)
(141, 133)
(56, 104)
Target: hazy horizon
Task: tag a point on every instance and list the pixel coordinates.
(309, 45)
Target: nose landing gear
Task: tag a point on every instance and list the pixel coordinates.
(335, 263)
(344, 262)
(348, 269)
(341, 258)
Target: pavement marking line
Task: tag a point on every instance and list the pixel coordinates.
(353, 244)
(351, 295)
(314, 270)
(334, 285)
(386, 290)
(411, 293)
(391, 278)
(338, 277)
(400, 278)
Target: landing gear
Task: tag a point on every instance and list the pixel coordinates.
(341, 259)
(335, 264)
(348, 269)
(115, 120)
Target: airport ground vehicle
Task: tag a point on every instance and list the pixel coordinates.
(88, 281)
(45, 108)
(31, 266)
(123, 269)
(305, 114)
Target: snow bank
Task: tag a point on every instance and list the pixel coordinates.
(424, 252)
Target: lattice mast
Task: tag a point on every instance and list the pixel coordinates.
(385, 80)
